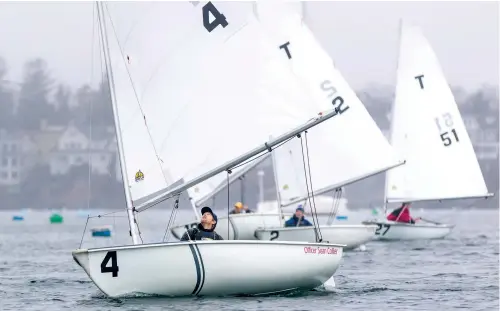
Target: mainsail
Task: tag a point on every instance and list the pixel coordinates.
(195, 92)
(429, 131)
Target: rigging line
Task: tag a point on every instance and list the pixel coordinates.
(110, 213)
(312, 191)
(330, 216)
(172, 218)
(136, 219)
(89, 189)
(228, 173)
(307, 188)
(335, 206)
(136, 95)
(84, 229)
(112, 216)
(173, 214)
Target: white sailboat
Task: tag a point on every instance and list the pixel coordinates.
(172, 97)
(428, 130)
(339, 153)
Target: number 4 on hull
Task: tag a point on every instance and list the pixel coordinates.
(219, 18)
(114, 264)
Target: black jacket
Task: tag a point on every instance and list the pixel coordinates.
(200, 233)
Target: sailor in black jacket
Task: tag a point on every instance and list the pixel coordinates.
(205, 229)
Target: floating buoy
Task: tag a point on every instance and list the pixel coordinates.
(17, 218)
(101, 232)
(56, 219)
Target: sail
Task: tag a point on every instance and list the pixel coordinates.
(349, 149)
(196, 87)
(429, 131)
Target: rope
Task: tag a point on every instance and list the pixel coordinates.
(84, 229)
(89, 192)
(228, 201)
(316, 225)
(335, 206)
(315, 214)
(136, 219)
(173, 214)
(136, 95)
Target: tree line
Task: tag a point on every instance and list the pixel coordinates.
(40, 97)
(24, 104)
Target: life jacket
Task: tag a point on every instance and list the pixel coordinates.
(401, 214)
(200, 233)
(292, 222)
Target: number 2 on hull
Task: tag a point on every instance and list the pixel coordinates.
(274, 235)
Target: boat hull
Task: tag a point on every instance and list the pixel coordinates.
(241, 226)
(210, 267)
(389, 230)
(352, 236)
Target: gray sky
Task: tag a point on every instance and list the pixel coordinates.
(361, 37)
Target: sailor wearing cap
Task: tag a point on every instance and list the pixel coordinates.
(205, 229)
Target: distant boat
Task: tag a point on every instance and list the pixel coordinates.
(429, 132)
(101, 232)
(17, 218)
(56, 218)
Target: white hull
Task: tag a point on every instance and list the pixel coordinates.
(241, 226)
(323, 205)
(210, 267)
(351, 236)
(390, 230)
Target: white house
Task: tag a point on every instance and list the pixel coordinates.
(15, 157)
(75, 149)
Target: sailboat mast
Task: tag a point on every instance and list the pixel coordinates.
(278, 195)
(109, 70)
(391, 127)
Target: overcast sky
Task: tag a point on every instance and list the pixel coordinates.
(361, 37)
